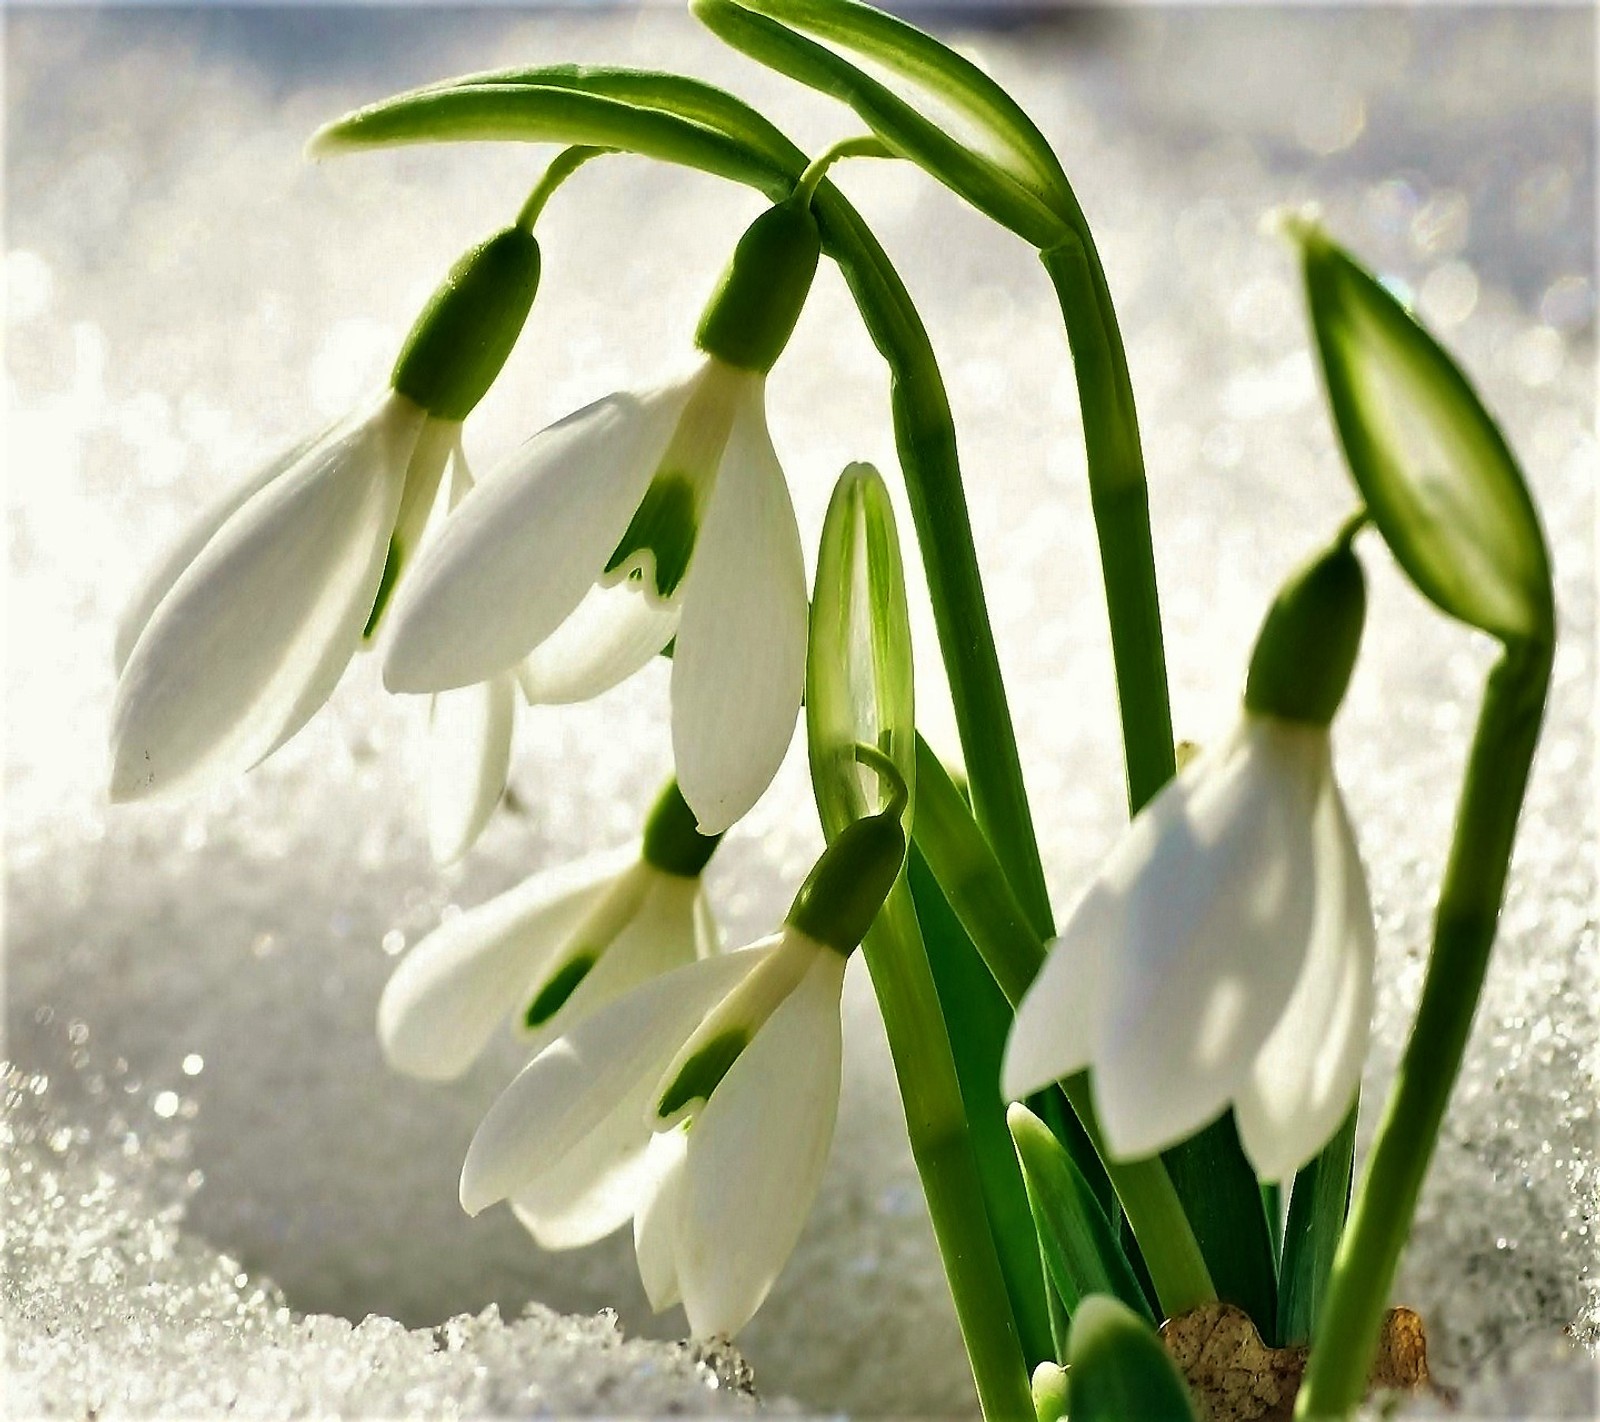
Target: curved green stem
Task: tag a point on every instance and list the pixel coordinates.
(1464, 929)
(562, 167)
(864, 146)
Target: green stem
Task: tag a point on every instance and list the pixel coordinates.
(971, 879)
(562, 166)
(1464, 929)
(941, 1146)
(863, 146)
(1121, 505)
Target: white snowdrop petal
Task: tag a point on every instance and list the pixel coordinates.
(610, 635)
(738, 669)
(707, 936)
(451, 991)
(469, 757)
(1307, 1073)
(1214, 921)
(521, 549)
(756, 1156)
(1055, 1029)
(158, 582)
(593, 1190)
(256, 632)
(609, 1061)
(659, 937)
(655, 1222)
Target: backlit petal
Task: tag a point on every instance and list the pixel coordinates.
(1213, 887)
(469, 755)
(594, 1189)
(609, 1061)
(523, 547)
(1057, 1022)
(655, 1222)
(158, 583)
(738, 670)
(611, 634)
(471, 973)
(756, 1156)
(256, 632)
(1306, 1075)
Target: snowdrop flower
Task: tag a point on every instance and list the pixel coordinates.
(1224, 952)
(557, 946)
(243, 631)
(638, 521)
(745, 1049)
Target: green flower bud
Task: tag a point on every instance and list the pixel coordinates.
(847, 886)
(749, 320)
(459, 343)
(1436, 474)
(1307, 646)
(672, 843)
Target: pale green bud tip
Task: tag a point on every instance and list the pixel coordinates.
(845, 889)
(1307, 647)
(672, 843)
(461, 340)
(750, 318)
(1050, 1392)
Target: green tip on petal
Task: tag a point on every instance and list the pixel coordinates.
(1437, 476)
(553, 996)
(1307, 647)
(664, 527)
(700, 1075)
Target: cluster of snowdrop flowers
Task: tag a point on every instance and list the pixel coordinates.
(639, 521)
(242, 632)
(1223, 954)
(701, 1103)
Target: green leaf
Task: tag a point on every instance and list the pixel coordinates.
(977, 1019)
(1220, 1195)
(1318, 1204)
(992, 188)
(1117, 1370)
(1437, 476)
(858, 664)
(936, 70)
(1079, 1243)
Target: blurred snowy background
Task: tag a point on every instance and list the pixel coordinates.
(198, 1109)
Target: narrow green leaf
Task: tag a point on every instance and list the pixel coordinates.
(1223, 1202)
(1117, 1370)
(1436, 474)
(1079, 1243)
(858, 666)
(993, 189)
(935, 69)
(977, 1019)
(1318, 1204)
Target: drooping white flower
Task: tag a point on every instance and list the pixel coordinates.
(746, 1048)
(1223, 954)
(636, 521)
(244, 630)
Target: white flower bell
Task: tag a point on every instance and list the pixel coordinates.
(243, 631)
(1223, 954)
(745, 1048)
(556, 947)
(638, 521)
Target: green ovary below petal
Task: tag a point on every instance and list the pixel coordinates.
(664, 526)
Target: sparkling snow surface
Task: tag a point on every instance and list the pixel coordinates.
(198, 980)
